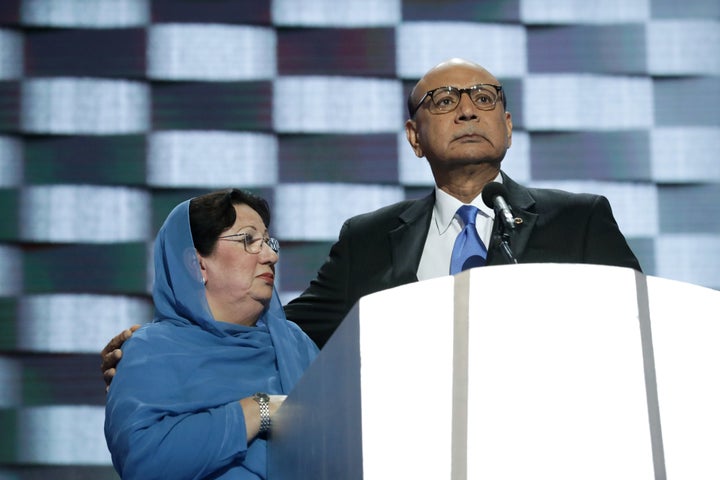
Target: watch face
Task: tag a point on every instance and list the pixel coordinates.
(261, 397)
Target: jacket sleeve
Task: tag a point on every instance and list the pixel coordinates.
(605, 244)
(321, 308)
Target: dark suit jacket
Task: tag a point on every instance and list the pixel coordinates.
(382, 249)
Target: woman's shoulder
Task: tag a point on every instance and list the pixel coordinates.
(155, 334)
(301, 337)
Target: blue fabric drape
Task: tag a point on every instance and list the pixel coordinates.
(172, 409)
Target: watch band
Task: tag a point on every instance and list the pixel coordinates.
(264, 401)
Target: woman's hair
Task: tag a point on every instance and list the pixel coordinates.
(213, 213)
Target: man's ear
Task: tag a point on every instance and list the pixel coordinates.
(509, 126)
(413, 137)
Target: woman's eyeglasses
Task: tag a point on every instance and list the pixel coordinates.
(253, 244)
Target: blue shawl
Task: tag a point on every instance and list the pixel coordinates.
(172, 409)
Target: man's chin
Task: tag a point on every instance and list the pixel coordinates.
(466, 161)
(474, 152)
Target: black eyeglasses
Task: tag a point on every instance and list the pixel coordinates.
(446, 99)
(253, 244)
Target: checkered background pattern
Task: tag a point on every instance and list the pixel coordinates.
(113, 111)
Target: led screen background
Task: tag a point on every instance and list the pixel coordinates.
(113, 111)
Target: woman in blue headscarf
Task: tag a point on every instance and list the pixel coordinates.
(198, 386)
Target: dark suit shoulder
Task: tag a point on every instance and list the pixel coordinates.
(550, 199)
(362, 261)
(391, 216)
(566, 227)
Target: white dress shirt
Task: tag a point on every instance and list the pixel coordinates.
(444, 229)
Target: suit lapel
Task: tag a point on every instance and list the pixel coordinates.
(520, 201)
(408, 239)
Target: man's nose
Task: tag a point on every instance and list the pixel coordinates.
(466, 108)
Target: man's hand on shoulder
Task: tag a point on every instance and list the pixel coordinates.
(112, 354)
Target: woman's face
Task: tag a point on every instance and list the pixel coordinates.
(239, 284)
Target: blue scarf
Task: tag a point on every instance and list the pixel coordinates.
(172, 409)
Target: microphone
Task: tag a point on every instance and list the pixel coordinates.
(493, 195)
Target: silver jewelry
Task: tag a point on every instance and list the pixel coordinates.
(264, 401)
(204, 281)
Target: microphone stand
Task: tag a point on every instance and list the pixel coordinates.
(504, 237)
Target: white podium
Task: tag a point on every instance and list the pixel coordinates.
(513, 372)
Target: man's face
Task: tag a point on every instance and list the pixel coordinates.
(465, 135)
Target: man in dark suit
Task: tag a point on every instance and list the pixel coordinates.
(460, 124)
(382, 249)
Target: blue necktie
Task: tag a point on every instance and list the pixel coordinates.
(469, 251)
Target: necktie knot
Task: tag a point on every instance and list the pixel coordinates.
(467, 214)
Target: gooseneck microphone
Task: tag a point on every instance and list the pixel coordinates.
(493, 195)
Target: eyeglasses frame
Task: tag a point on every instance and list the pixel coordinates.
(429, 93)
(271, 242)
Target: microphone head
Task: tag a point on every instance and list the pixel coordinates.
(492, 190)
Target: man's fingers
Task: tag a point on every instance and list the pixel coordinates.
(107, 376)
(112, 354)
(110, 360)
(118, 340)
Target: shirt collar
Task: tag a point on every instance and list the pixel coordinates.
(446, 205)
